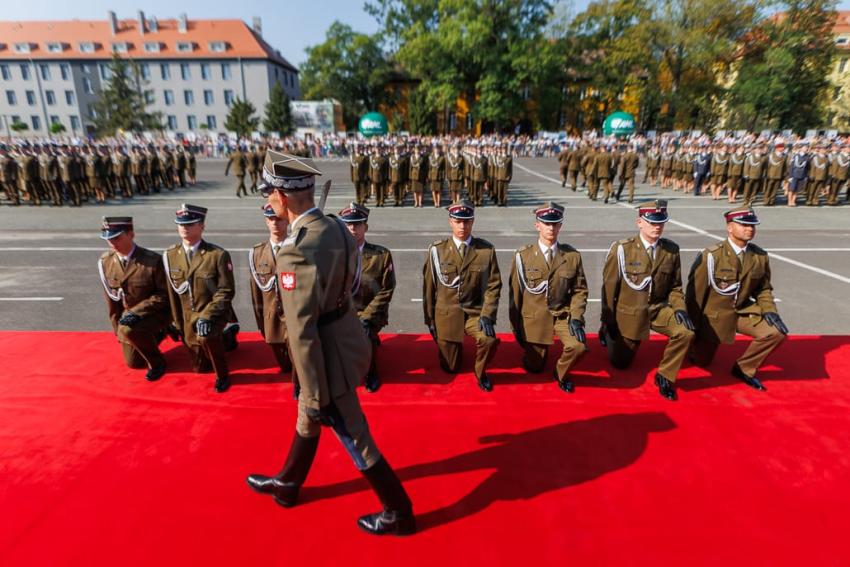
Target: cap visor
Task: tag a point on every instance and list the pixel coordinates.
(110, 234)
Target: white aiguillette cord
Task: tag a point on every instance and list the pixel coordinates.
(184, 287)
(114, 296)
(539, 289)
(731, 290)
(621, 259)
(263, 287)
(438, 276)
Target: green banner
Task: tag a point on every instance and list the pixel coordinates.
(620, 124)
(373, 124)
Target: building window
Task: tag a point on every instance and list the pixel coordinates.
(165, 71)
(184, 71)
(11, 99)
(120, 47)
(36, 122)
(87, 47)
(31, 98)
(54, 47)
(152, 46)
(51, 98)
(172, 122)
(75, 122)
(149, 97)
(4, 72)
(841, 41)
(45, 72)
(65, 70)
(169, 97)
(184, 46)
(54, 119)
(211, 122)
(92, 112)
(86, 68)
(25, 72)
(70, 98)
(21, 47)
(225, 71)
(105, 72)
(16, 119)
(228, 97)
(218, 46)
(208, 97)
(145, 70)
(192, 122)
(188, 98)
(205, 71)
(87, 88)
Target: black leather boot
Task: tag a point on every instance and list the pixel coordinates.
(665, 387)
(285, 486)
(397, 516)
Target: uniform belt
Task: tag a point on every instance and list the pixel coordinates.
(331, 316)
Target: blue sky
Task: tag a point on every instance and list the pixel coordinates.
(289, 25)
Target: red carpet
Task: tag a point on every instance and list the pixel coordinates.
(100, 467)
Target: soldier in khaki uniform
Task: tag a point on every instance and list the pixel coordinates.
(818, 176)
(653, 164)
(503, 166)
(201, 290)
(719, 170)
(397, 166)
(253, 162)
(642, 290)
(436, 174)
(378, 174)
(265, 290)
(777, 163)
(49, 173)
(839, 172)
(729, 290)
(238, 163)
(564, 162)
(589, 168)
(417, 175)
(604, 171)
(478, 177)
(135, 290)
(138, 166)
(9, 176)
(373, 287)
(180, 164)
(754, 168)
(359, 165)
(575, 166)
(666, 166)
(629, 163)
(454, 173)
(317, 266)
(28, 176)
(461, 294)
(548, 296)
(735, 172)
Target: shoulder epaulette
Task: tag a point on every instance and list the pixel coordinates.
(757, 249)
(524, 248)
(566, 248)
(672, 246)
(715, 248)
(483, 243)
(106, 254)
(173, 247)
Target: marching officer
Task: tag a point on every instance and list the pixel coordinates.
(180, 165)
(378, 174)
(777, 163)
(134, 286)
(454, 172)
(191, 166)
(373, 286)
(9, 176)
(49, 173)
(735, 172)
(436, 174)
(701, 168)
(317, 266)
(478, 176)
(503, 167)
(839, 172)
(28, 166)
(548, 296)
(729, 290)
(754, 166)
(201, 290)
(397, 166)
(575, 165)
(418, 175)
(253, 162)
(642, 290)
(653, 164)
(604, 170)
(628, 167)
(239, 163)
(564, 162)
(359, 173)
(461, 292)
(719, 170)
(818, 176)
(265, 292)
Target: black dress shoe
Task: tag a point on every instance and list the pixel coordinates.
(665, 387)
(155, 373)
(750, 381)
(484, 383)
(284, 493)
(388, 523)
(222, 384)
(228, 336)
(296, 391)
(564, 384)
(372, 382)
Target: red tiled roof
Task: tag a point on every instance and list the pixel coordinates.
(241, 40)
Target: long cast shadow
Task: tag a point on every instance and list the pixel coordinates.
(528, 464)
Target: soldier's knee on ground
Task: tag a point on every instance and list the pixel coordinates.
(682, 334)
(576, 347)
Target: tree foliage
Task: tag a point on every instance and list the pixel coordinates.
(241, 118)
(278, 112)
(120, 105)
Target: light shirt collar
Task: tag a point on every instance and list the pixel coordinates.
(361, 246)
(294, 223)
(544, 248)
(129, 255)
(194, 248)
(647, 245)
(735, 249)
(459, 242)
(272, 243)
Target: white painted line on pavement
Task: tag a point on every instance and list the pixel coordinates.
(779, 257)
(31, 298)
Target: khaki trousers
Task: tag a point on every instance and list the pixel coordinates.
(573, 350)
(765, 340)
(451, 352)
(140, 344)
(622, 351)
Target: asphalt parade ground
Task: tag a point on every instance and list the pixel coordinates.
(48, 255)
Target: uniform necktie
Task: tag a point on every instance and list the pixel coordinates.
(462, 249)
(548, 256)
(190, 254)
(651, 251)
(275, 248)
(741, 257)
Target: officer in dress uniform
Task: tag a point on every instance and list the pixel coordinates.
(359, 165)
(238, 162)
(564, 162)
(478, 177)
(378, 174)
(9, 176)
(777, 162)
(180, 165)
(729, 290)
(839, 171)
(798, 172)
(317, 266)
(548, 296)
(134, 286)
(702, 167)
(454, 172)
(818, 176)
(642, 290)
(436, 174)
(503, 167)
(575, 166)
(253, 162)
(201, 291)
(397, 166)
(461, 292)
(719, 170)
(754, 168)
(265, 291)
(373, 286)
(628, 165)
(418, 175)
(735, 172)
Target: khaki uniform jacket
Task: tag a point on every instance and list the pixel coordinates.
(29, 168)
(49, 167)
(754, 166)
(66, 168)
(653, 159)
(630, 310)
(8, 169)
(436, 167)
(317, 265)
(398, 168)
(564, 158)
(504, 168)
(418, 168)
(602, 167)
(359, 168)
(265, 294)
(533, 306)
(454, 167)
(575, 159)
(839, 169)
(122, 165)
(818, 168)
(736, 165)
(454, 286)
(628, 165)
(478, 168)
(716, 314)
(776, 163)
(719, 164)
(237, 163)
(375, 289)
(377, 169)
(140, 287)
(207, 288)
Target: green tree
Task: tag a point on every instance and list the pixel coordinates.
(57, 128)
(783, 76)
(278, 112)
(421, 118)
(120, 105)
(350, 67)
(241, 118)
